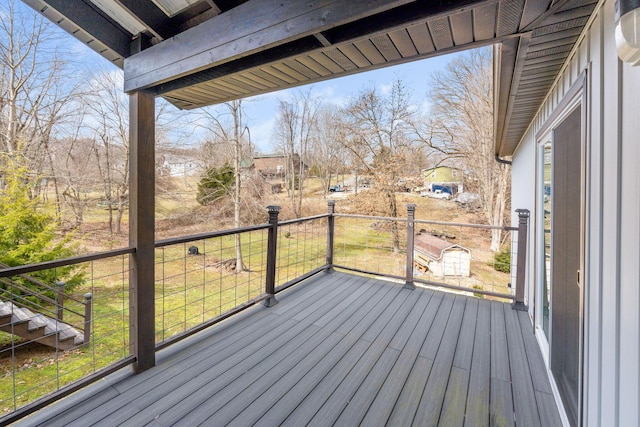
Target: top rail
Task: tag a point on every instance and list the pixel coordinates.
(203, 236)
(461, 224)
(382, 218)
(46, 265)
(425, 221)
(305, 219)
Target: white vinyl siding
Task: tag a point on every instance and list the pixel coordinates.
(611, 277)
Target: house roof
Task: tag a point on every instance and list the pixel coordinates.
(440, 167)
(212, 51)
(434, 247)
(271, 156)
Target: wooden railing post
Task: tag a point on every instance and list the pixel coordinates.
(142, 336)
(330, 233)
(272, 244)
(523, 225)
(88, 301)
(411, 212)
(60, 300)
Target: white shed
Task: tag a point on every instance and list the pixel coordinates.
(440, 257)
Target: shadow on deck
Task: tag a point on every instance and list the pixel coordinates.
(338, 349)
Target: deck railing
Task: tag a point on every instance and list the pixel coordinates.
(399, 248)
(202, 279)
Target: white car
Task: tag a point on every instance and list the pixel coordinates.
(439, 194)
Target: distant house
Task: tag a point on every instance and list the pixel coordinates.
(444, 177)
(275, 165)
(179, 162)
(440, 257)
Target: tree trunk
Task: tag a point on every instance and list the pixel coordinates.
(237, 152)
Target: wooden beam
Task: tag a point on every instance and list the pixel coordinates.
(154, 19)
(249, 28)
(91, 20)
(141, 229)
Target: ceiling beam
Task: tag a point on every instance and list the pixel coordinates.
(247, 29)
(154, 19)
(92, 21)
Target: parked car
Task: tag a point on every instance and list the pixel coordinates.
(440, 194)
(336, 188)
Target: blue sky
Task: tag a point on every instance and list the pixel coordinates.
(260, 111)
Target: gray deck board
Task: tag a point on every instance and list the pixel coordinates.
(433, 395)
(477, 409)
(339, 349)
(525, 414)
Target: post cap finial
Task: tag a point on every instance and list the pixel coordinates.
(523, 213)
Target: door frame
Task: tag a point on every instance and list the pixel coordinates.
(575, 97)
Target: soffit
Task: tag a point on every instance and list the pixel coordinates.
(527, 67)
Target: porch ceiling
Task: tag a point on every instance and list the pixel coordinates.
(213, 51)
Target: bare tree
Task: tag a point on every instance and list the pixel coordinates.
(376, 129)
(234, 139)
(326, 152)
(109, 121)
(297, 126)
(461, 127)
(36, 90)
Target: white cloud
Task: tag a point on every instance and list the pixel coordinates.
(385, 88)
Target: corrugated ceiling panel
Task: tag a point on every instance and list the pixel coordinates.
(462, 27)
(285, 69)
(269, 69)
(545, 52)
(509, 15)
(421, 38)
(354, 55)
(560, 41)
(484, 22)
(312, 64)
(253, 76)
(572, 23)
(326, 62)
(370, 51)
(307, 72)
(261, 84)
(541, 68)
(238, 81)
(441, 33)
(269, 77)
(403, 43)
(384, 45)
(340, 59)
(229, 87)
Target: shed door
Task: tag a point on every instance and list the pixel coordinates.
(565, 292)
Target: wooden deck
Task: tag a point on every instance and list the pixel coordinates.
(339, 349)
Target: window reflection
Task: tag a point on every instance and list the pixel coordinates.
(547, 207)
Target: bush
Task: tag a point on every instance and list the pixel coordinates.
(480, 288)
(216, 184)
(502, 260)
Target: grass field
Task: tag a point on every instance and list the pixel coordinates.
(193, 289)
